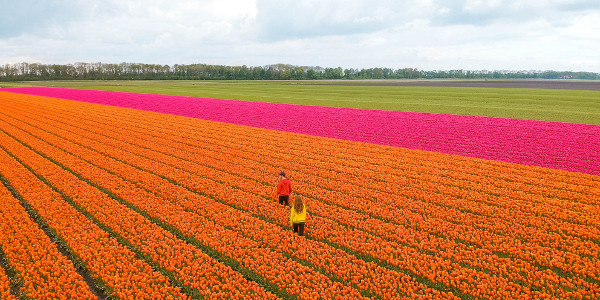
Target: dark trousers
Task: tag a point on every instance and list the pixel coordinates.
(299, 228)
(285, 199)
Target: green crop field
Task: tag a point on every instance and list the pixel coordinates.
(576, 106)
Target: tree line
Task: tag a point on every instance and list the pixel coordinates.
(139, 71)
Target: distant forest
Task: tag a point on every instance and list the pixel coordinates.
(138, 71)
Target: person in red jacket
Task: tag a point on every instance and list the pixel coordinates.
(284, 188)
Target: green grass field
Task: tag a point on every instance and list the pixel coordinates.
(576, 106)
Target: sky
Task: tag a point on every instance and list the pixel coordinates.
(424, 34)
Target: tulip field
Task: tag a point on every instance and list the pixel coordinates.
(114, 195)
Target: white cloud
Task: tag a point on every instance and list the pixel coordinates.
(427, 34)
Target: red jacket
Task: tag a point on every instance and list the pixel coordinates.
(284, 188)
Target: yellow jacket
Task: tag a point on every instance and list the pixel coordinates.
(297, 217)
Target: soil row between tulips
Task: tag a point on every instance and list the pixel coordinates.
(11, 274)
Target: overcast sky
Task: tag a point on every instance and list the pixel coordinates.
(424, 34)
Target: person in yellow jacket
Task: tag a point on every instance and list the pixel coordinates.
(298, 215)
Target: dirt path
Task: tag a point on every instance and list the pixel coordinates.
(532, 84)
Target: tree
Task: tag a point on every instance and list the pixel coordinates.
(333, 73)
(131, 71)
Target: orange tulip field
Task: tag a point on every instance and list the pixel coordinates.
(100, 201)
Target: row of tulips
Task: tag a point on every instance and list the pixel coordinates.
(277, 269)
(544, 239)
(42, 270)
(5, 287)
(567, 146)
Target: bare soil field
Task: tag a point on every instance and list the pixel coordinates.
(531, 84)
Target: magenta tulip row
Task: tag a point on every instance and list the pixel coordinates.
(557, 145)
